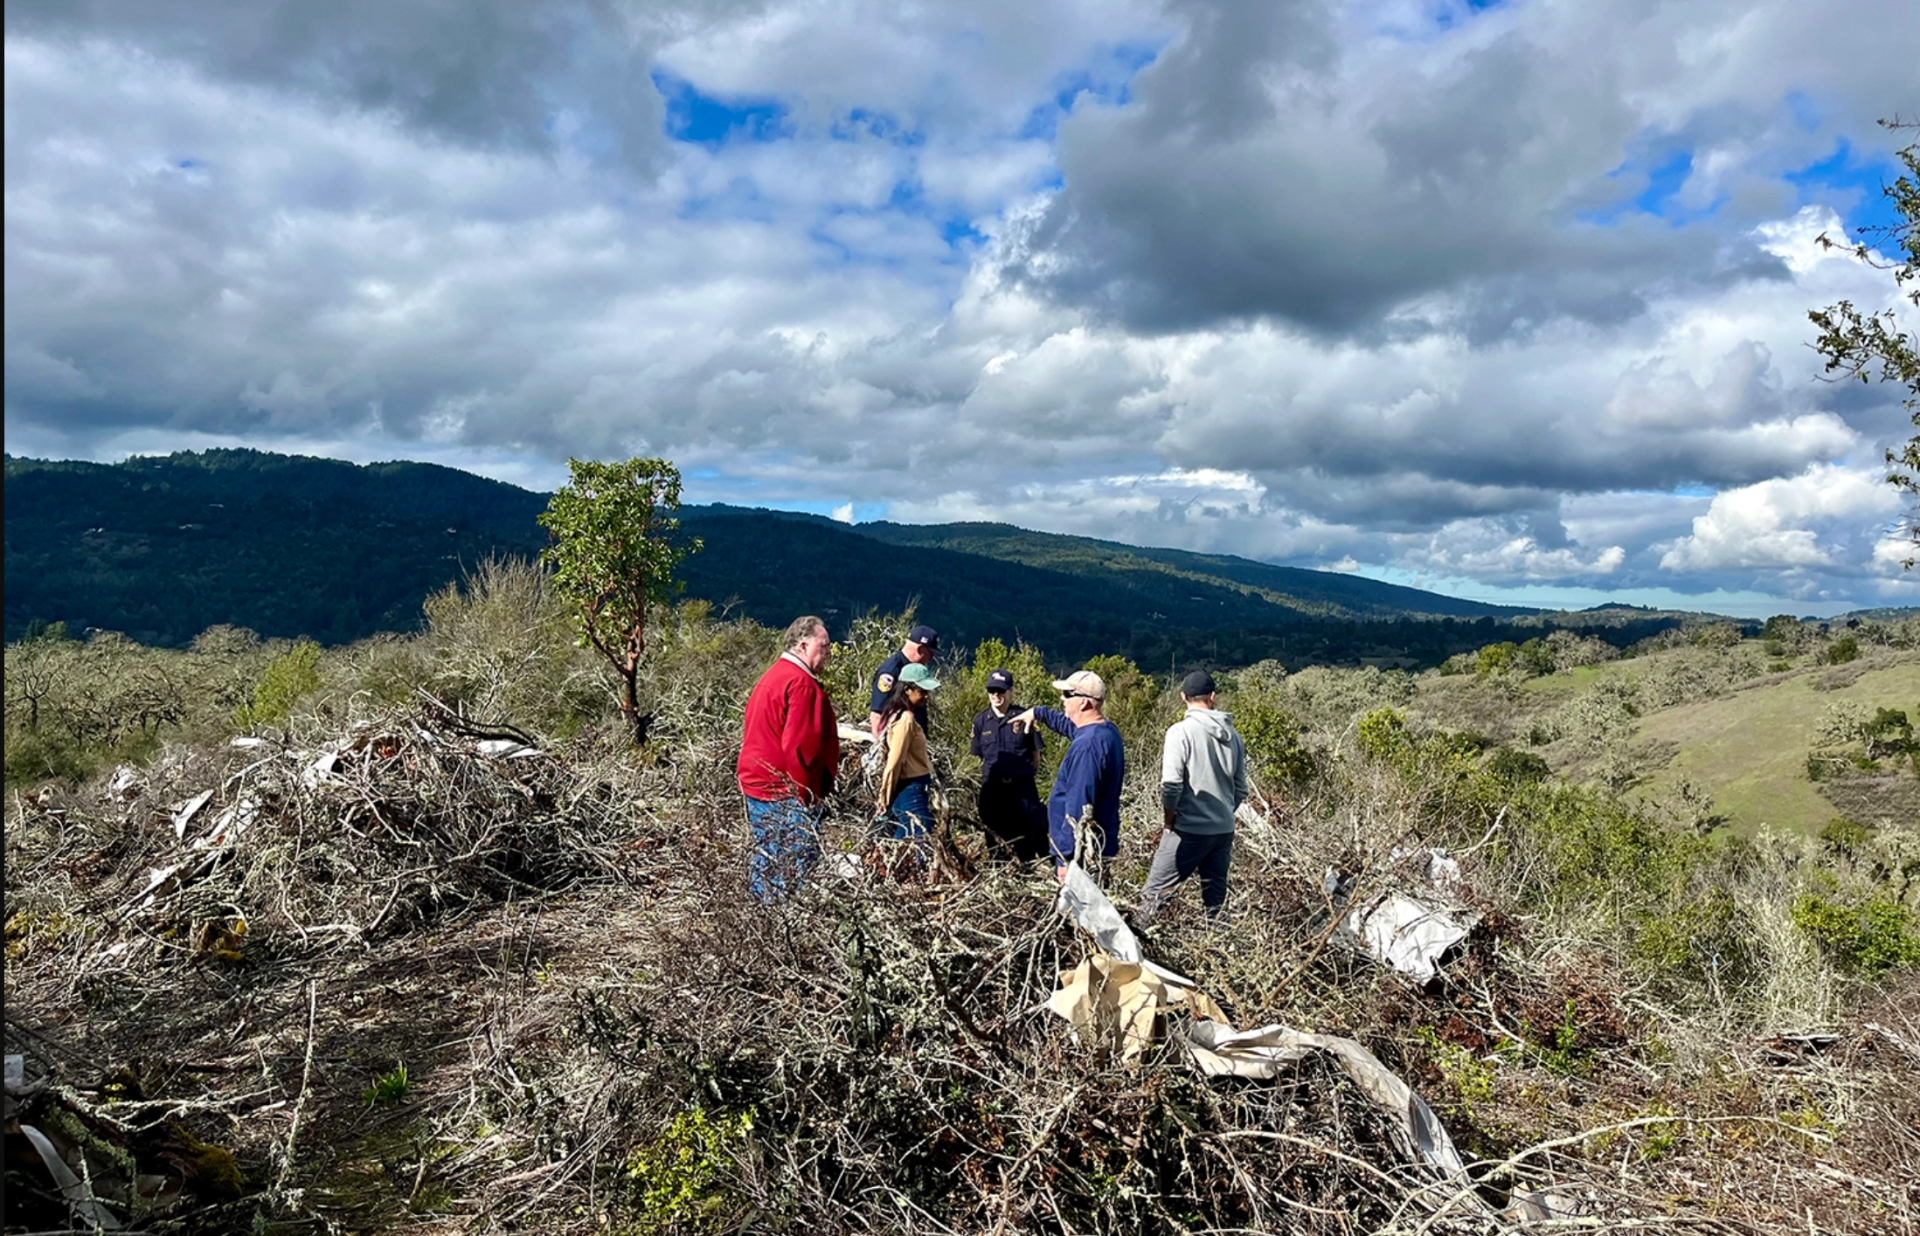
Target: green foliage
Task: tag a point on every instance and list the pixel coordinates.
(1873, 345)
(387, 1087)
(1382, 734)
(1472, 1078)
(287, 679)
(45, 755)
(1699, 941)
(1845, 836)
(1135, 703)
(1273, 740)
(1843, 650)
(613, 556)
(1871, 936)
(1517, 767)
(1848, 736)
(684, 1178)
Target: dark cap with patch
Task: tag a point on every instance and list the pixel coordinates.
(1000, 680)
(925, 636)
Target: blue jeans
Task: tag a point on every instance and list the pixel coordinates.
(912, 811)
(786, 844)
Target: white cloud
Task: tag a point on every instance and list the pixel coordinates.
(1779, 524)
(1194, 318)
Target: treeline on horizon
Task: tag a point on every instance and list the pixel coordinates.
(161, 549)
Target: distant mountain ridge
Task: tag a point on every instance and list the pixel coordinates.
(162, 547)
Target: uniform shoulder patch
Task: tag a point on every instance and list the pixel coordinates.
(884, 682)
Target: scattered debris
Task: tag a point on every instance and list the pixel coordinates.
(1395, 929)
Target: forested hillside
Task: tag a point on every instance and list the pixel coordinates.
(162, 548)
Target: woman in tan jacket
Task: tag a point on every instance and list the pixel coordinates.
(908, 775)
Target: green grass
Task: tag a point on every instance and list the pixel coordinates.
(1749, 748)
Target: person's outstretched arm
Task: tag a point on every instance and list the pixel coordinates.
(1042, 715)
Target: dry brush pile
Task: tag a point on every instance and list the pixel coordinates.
(402, 965)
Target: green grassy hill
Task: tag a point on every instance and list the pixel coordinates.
(1735, 722)
(1749, 749)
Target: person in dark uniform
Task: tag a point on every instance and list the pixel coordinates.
(1010, 807)
(922, 646)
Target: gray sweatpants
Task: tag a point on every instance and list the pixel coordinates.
(1179, 856)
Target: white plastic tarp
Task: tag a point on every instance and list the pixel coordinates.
(1406, 935)
(1090, 908)
(1219, 1050)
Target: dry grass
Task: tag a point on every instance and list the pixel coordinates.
(600, 1031)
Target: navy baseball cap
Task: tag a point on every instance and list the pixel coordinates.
(1000, 680)
(1197, 684)
(924, 635)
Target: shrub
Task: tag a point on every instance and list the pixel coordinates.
(1845, 835)
(44, 755)
(1497, 658)
(1697, 941)
(288, 678)
(683, 1180)
(1382, 734)
(1272, 738)
(1843, 650)
(1872, 937)
(1518, 767)
(502, 647)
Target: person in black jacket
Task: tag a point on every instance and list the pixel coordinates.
(1010, 807)
(922, 646)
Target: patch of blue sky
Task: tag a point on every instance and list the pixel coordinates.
(709, 120)
(908, 201)
(861, 124)
(1665, 170)
(1851, 182)
(1453, 13)
(1107, 80)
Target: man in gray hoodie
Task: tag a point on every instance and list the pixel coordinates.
(1203, 781)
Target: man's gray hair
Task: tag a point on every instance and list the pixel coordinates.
(802, 628)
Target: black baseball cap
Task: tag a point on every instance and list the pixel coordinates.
(1197, 684)
(924, 635)
(999, 680)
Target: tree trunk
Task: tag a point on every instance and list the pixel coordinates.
(630, 701)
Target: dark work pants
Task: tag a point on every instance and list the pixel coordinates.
(1014, 818)
(1179, 856)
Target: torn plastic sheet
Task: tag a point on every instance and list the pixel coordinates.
(87, 1208)
(1096, 915)
(506, 749)
(1219, 1050)
(1406, 935)
(188, 810)
(1117, 1003)
(1116, 999)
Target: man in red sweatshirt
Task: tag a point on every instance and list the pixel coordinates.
(788, 754)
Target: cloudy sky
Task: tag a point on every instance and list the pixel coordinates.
(1504, 299)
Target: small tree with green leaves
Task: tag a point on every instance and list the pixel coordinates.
(1875, 345)
(613, 555)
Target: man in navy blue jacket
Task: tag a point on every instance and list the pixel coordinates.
(1091, 772)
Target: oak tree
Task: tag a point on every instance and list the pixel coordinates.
(613, 555)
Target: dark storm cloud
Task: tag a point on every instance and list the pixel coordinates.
(1519, 299)
(1261, 171)
(484, 72)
